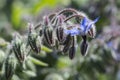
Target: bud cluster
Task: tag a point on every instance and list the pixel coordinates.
(58, 30)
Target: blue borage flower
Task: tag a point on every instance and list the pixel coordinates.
(74, 31)
(84, 27)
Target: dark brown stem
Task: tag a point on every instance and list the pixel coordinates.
(84, 38)
(37, 26)
(73, 41)
(65, 11)
(68, 10)
(76, 15)
(51, 16)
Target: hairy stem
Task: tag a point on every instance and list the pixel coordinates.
(67, 10)
(76, 15)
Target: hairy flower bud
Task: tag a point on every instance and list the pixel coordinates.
(32, 40)
(72, 52)
(17, 46)
(48, 35)
(67, 43)
(60, 34)
(83, 48)
(9, 68)
(46, 20)
(72, 49)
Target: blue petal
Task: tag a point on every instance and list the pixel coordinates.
(93, 22)
(72, 32)
(89, 24)
(96, 19)
(84, 21)
(84, 24)
(67, 31)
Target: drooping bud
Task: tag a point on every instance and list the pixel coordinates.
(72, 52)
(72, 49)
(67, 43)
(68, 38)
(60, 34)
(83, 48)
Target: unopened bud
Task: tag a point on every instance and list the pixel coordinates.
(72, 52)
(17, 46)
(48, 35)
(83, 48)
(67, 43)
(46, 20)
(60, 34)
(32, 41)
(9, 68)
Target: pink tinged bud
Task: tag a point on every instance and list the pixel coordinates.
(60, 34)
(46, 20)
(48, 36)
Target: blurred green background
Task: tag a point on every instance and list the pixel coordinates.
(102, 60)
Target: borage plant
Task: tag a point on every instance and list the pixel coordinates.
(59, 31)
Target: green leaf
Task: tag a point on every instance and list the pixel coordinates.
(30, 73)
(63, 62)
(3, 43)
(54, 76)
(38, 62)
(2, 56)
(46, 49)
(15, 77)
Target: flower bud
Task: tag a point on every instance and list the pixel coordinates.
(60, 34)
(32, 40)
(72, 49)
(48, 36)
(17, 46)
(72, 52)
(9, 68)
(84, 47)
(67, 43)
(68, 38)
(46, 20)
